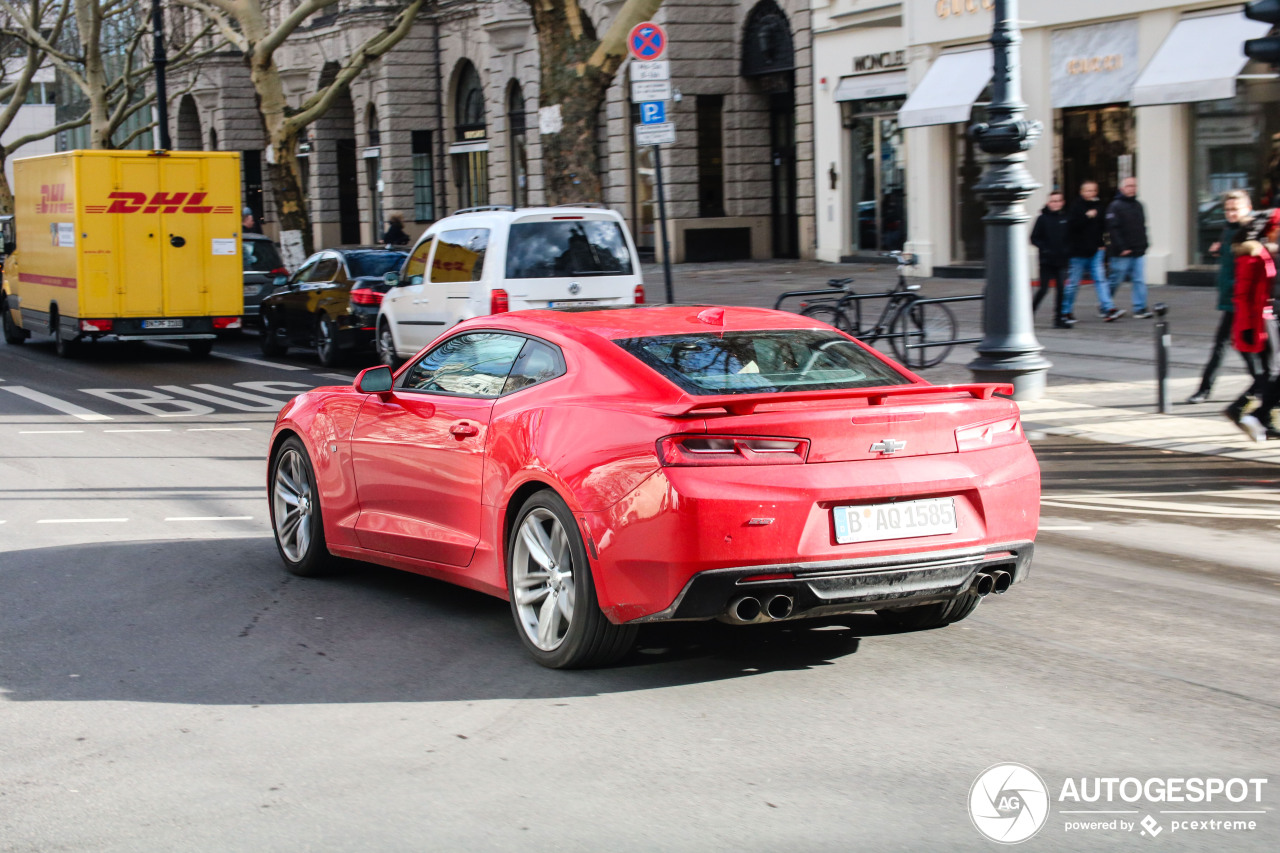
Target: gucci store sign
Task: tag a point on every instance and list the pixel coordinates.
(1094, 65)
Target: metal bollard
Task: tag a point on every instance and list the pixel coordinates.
(1163, 341)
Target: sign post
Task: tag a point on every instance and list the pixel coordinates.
(651, 89)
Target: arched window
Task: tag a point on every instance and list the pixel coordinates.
(517, 154)
(471, 150)
(190, 136)
(766, 42)
(470, 103)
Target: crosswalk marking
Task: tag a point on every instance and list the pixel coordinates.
(245, 359)
(54, 403)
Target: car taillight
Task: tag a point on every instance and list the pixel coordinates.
(366, 296)
(220, 323)
(279, 271)
(95, 325)
(699, 450)
(498, 303)
(639, 294)
(1006, 430)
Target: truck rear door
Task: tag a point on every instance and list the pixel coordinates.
(140, 272)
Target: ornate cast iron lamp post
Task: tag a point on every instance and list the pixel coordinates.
(1009, 351)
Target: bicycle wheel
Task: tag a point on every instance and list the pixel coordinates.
(917, 324)
(829, 314)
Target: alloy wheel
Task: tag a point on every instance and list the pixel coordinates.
(542, 575)
(293, 504)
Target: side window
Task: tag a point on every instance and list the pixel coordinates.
(536, 363)
(460, 255)
(417, 263)
(472, 365)
(308, 266)
(325, 270)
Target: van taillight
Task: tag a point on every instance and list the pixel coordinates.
(222, 323)
(95, 325)
(639, 294)
(498, 303)
(702, 450)
(366, 296)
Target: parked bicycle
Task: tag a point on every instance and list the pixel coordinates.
(921, 335)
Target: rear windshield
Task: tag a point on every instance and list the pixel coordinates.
(261, 256)
(574, 247)
(762, 362)
(373, 263)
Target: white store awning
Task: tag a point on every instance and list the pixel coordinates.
(865, 87)
(1199, 61)
(948, 90)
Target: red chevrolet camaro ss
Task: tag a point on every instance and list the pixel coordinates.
(603, 468)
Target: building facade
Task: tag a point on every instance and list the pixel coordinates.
(1143, 88)
(449, 119)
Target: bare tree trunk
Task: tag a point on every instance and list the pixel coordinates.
(6, 192)
(89, 27)
(576, 70)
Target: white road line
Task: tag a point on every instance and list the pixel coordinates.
(219, 429)
(137, 430)
(245, 359)
(54, 403)
(1192, 510)
(81, 520)
(343, 376)
(211, 518)
(1065, 527)
(50, 431)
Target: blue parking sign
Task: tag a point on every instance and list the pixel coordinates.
(653, 112)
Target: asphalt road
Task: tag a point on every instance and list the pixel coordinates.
(164, 685)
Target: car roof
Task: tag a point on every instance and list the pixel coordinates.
(652, 320)
(508, 215)
(253, 235)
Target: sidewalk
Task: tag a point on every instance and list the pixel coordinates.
(1102, 382)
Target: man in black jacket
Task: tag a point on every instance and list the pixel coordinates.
(1085, 226)
(1127, 245)
(1050, 237)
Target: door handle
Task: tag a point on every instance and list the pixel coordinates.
(462, 429)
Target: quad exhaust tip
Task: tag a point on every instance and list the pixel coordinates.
(983, 584)
(1000, 582)
(779, 606)
(750, 610)
(746, 609)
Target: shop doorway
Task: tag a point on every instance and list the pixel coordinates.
(877, 185)
(782, 133)
(1097, 144)
(348, 193)
(970, 243)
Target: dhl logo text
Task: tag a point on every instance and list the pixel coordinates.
(126, 202)
(53, 199)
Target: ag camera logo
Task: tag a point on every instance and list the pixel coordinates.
(1009, 803)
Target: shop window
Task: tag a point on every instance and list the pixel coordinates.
(644, 205)
(711, 155)
(518, 154)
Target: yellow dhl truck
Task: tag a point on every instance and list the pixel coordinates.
(126, 245)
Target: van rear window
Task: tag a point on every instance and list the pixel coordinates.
(572, 247)
(762, 362)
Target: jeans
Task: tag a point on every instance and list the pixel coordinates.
(1075, 274)
(1057, 275)
(1134, 268)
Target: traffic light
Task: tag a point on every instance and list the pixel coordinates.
(1265, 49)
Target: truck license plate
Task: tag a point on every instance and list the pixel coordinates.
(162, 324)
(903, 520)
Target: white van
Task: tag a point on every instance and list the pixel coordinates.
(491, 260)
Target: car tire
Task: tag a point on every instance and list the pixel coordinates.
(12, 333)
(386, 344)
(200, 349)
(294, 503)
(271, 339)
(327, 351)
(926, 616)
(64, 347)
(538, 589)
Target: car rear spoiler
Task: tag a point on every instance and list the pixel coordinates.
(745, 404)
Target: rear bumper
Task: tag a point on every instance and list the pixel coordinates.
(831, 588)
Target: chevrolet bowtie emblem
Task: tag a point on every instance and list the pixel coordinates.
(888, 447)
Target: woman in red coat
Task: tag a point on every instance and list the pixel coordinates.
(1254, 328)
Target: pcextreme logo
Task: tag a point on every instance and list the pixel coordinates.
(127, 202)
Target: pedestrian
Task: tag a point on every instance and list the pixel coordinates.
(1236, 206)
(1050, 236)
(395, 234)
(249, 224)
(1254, 324)
(1127, 246)
(1086, 225)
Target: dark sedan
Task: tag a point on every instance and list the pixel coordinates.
(330, 304)
(262, 265)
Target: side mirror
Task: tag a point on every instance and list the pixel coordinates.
(280, 280)
(374, 380)
(392, 278)
(415, 279)
(10, 247)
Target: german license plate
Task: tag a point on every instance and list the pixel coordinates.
(162, 324)
(902, 520)
(576, 303)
